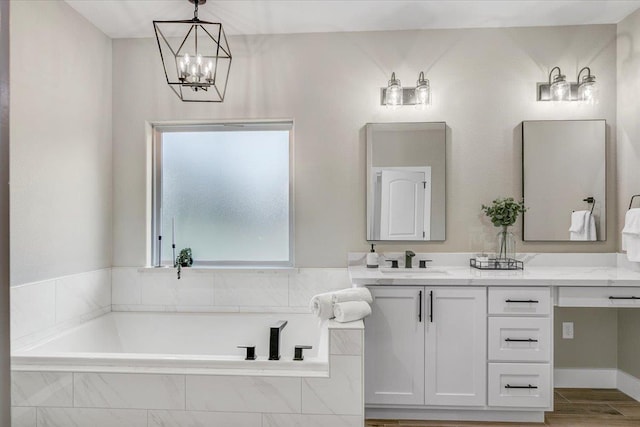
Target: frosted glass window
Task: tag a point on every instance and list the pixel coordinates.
(228, 194)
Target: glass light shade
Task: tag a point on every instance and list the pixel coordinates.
(394, 92)
(560, 89)
(588, 92)
(423, 94)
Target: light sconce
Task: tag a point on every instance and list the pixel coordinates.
(394, 95)
(560, 90)
(587, 88)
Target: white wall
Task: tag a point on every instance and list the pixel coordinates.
(484, 85)
(5, 360)
(61, 158)
(628, 157)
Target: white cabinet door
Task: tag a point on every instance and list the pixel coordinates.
(456, 346)
(402, 205)
(394, 346)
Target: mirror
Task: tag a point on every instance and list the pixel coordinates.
(406, 181)
(563, 171)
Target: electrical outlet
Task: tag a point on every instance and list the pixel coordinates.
(567, 330)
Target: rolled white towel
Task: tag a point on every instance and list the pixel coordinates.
(352, 294)
(322, 306)
(351, 310)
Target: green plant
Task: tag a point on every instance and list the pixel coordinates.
(184, 259)
(504, 212)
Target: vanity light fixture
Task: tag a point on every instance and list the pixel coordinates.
(195, 56)
(560, 90)
(394, 95)
(587, 88)
(423, 92)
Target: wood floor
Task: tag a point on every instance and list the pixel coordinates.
(573, 407)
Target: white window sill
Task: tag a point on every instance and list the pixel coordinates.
(217, 268)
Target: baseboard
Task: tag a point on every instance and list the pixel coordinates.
(585, 378)
(456, 414)
(628, 384)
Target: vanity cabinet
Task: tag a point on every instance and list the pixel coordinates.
(599, 296)
(520, 343)
(394, 337)
(426, 346)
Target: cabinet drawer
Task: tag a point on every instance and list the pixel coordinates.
(520, 339)
(515, 301)
(599, 296)
(521, 385)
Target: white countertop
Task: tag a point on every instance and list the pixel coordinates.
(530, 276)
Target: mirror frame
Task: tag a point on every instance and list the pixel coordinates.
(602, 229)
(369, 191)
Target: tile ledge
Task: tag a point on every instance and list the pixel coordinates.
(217, 269)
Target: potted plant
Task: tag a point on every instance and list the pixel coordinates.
(184, 259)
(504, 212)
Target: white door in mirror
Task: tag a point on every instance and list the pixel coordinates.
(405, 208)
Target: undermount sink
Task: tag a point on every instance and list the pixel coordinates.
(402, 270)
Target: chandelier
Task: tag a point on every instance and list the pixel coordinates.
(195, 56)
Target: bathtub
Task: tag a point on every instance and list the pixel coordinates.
(184, 343)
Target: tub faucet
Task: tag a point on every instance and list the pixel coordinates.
(274, 339)
(407, 258)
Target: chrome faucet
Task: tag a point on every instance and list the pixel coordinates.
(274, 339)
(407, 258)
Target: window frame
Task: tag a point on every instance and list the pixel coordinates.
(154, 223)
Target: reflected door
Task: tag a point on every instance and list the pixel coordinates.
(405, 207)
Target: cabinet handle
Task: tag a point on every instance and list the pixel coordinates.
(431, 306)
(520, 340)
(420, 306)
(521, 386)
(523, 301)
(624, 297)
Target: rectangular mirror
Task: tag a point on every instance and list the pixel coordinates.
(563, 180)
(406, 181)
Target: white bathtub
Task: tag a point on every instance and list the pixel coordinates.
(180, 343)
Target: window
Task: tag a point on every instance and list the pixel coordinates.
(225, 191)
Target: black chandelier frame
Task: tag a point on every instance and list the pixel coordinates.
(221, 52)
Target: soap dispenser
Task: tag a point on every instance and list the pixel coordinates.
(372, 258)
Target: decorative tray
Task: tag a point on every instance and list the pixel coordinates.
(497, 264)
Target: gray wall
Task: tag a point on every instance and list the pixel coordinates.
(5, 360)
(595, 342)
(484, 85)
(629, 341)
(628, 157)
(61, 168)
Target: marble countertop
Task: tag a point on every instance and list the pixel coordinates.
(530, 276)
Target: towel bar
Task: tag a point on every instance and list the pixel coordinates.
(633, 197)
(592, 201)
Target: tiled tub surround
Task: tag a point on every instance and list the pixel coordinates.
(62, 398)
(181, 343)
(208, 290)
(42, 309)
